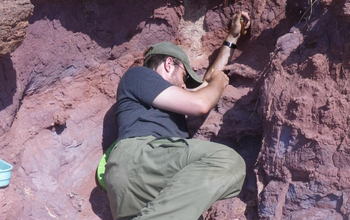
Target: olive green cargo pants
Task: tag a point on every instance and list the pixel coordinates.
(170, 178)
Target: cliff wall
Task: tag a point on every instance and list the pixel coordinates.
(286, 110)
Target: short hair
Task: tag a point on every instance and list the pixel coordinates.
(156, 59)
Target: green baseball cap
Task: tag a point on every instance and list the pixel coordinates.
(170, 49)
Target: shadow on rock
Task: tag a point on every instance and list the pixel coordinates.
(7, 81)
(103, 21)
(100, 204)
(110, 128)
(8, 89)
(98, 197)
(242, 131)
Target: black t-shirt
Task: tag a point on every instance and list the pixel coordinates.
(136, 117)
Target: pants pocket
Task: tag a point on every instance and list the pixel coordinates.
(167, 142)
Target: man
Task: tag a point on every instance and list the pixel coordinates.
(154, 171)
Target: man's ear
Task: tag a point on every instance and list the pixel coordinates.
(168, 63)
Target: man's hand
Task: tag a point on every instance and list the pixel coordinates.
(196, 102)
(236, 28)
(217, 75)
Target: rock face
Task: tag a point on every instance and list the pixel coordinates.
(305, 104)
(286, 110)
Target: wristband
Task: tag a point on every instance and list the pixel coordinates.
(230, 45)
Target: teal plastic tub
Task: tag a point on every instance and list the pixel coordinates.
(5, 173)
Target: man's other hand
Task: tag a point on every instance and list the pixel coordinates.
(236, 27)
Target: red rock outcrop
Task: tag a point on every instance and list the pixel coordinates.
(305, 104)
(13, 24)
(288, 101)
